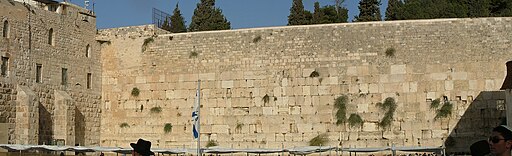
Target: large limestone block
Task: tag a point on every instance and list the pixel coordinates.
(220, 129)
(398, 69)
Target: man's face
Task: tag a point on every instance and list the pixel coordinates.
(498, 144)
(135, 153)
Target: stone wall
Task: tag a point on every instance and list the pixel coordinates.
(276, 87)
(55, 100)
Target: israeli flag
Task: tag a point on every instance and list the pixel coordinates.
(195, 117)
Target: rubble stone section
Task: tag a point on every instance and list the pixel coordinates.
(27, 46)
(259, 91)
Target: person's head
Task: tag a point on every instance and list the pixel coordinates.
(142, 148)
(500, 141)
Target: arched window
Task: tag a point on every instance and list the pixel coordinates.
(6, 29)
(50, 36)
(88, 51)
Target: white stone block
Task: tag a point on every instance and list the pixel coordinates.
(227, 84)
(140, 79)
(352, 71)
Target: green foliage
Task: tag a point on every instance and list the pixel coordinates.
(206, 17)
(329, 14)
(147, 41)
(298, 15)
(369, 10)
(193, 54)
(256, 39)
(319, 140)
(239, 126)
(156, 109)
(435, 103)
(166, 25)
(390, 106)
(314, 74)
(135, 91)
(340, 104)
(355, 120)
(390, 52)
(211, 143)
(167, 127)
(445, 110)
(266, 98)
(124, 125)
(393, 10)
(177, 21)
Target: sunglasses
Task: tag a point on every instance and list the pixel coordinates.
(495, 139)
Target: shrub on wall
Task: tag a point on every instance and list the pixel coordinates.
(390, 52)
(390, 106)
(435, 103)
(256, 39)
(167, 127)
(211, 143)
(340, 104)
(135, 91)
(266, 98)
(355, 120)
(147, 41)
(193, 54)
(156, 109)
(124, 125)
(319, 140)
(445, 110)
(314, 74)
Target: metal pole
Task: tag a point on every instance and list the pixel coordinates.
(199, 117)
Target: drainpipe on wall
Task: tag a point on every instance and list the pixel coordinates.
(507, 86)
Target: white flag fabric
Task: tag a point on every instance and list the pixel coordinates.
(195, 116)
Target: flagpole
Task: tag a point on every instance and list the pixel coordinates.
(199, 117)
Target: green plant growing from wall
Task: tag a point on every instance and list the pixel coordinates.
(239, 126)
(256, 39)
(319, 140)
(355, 120)
(124, 125)
(390, 52)
(444, 111)
(211, 143)
(167, 127)
(435, 103)
(193, 54)
(135, 91)
(314, 74)
(156, 109)
(340, 104)
(390, 106)
(147, 41)
(266, 98)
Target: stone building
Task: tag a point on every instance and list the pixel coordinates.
(50, 79)
(261, 88)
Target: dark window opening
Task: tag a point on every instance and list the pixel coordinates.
(64, 76)
(5, 66)
(89, 80)
(50, 36)
(39, 71)
(6, 29)
(88, 51)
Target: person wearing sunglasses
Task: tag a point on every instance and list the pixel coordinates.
(500, 141)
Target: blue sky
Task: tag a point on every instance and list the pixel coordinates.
(241, 13)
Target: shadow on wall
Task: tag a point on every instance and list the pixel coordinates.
(79, 127)
(45, 126)
(485, 112)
